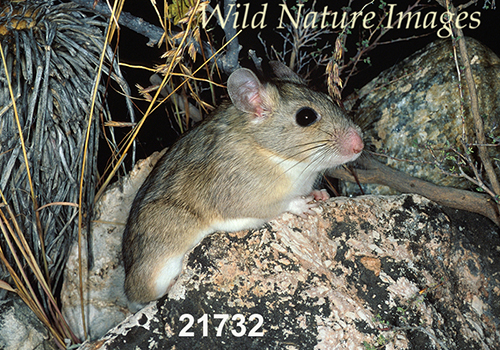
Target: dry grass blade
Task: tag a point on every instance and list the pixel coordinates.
(49, 140)
(12, 234)
(95, 90)
(168, 72)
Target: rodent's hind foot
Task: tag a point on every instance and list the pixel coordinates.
(135, 307)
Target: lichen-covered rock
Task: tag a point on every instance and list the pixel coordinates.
(415, 106)
(399, 271)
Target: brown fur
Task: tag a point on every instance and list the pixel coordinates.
(249, 160)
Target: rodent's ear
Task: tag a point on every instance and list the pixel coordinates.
(283, 72)
(246, 91)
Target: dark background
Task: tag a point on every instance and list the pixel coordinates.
(157, 133)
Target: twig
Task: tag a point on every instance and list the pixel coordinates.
(155, 34)
(230, 60)
(375, 172)
(138, 25)
(364, 50)
(478, 122)
(464, 6)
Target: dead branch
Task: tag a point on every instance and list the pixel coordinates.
(138, 25)
(464, 6)
(374, 172)
(471, 85)
(227, 61)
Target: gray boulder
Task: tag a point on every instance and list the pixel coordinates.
(412, 112)
(398, 271)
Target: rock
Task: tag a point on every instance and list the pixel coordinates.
(20, 329)
(105, 301)
(393, 271)
(417, 103)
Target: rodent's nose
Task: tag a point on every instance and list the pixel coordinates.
(355, 142)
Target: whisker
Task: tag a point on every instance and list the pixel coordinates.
(321, 145)
(323, 142)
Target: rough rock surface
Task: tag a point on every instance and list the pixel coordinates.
(395, 272)
(391, 271)
(417, 103)
(20, 329)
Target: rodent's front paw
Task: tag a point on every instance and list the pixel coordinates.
(320, 195)
(302, 206)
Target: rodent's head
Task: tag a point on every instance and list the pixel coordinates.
(293, 121)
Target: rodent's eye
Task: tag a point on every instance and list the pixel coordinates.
(307, 116)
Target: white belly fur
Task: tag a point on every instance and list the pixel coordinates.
(302, 179)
